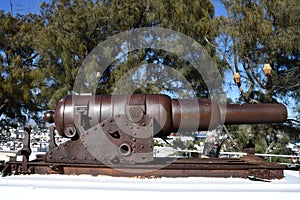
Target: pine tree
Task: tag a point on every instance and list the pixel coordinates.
(18, 90)
(41, 54)
(259, 32)
(70, 33)
(263, 32)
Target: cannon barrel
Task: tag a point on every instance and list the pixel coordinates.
(171, 115)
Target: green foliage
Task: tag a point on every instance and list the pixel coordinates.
(18, 67)
(258, 32)
(41, 54)
(158, 143)
(262, 136)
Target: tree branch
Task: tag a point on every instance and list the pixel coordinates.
(223, 54)
(248, 93)
(253, 74)
(2, 106)
(245, 95)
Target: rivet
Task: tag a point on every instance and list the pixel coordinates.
(61, 157)
(134, 139)
(142, 146)
(134, 133)
(102, 124)
(125, 123)
(73, 158)
(143, 124)
(118, 115)
(131, 127)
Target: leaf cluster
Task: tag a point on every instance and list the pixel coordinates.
(40, 54)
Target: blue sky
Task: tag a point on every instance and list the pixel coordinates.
(25, 6)
(20, 6)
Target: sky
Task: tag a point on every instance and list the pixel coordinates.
(25, 6)
(20, 6)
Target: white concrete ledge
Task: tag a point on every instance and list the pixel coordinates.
(63, 186)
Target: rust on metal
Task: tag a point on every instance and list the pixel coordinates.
(113, 135)
(239, 168)
(254, 113)
(170, 114)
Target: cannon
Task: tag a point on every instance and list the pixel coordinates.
(119, 129)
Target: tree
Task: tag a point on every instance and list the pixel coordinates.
(70, 33)
(18, 89)
(261, 32)
(256, 34)
(41, 54)
(67, 35)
